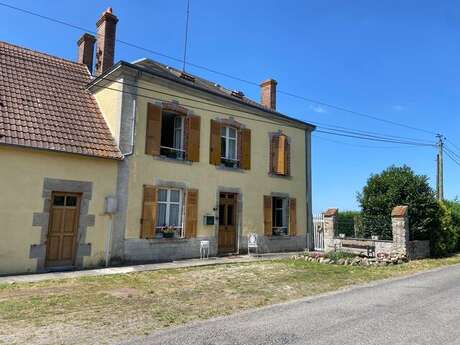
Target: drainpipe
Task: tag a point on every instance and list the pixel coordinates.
(110, 209)
(108, 241)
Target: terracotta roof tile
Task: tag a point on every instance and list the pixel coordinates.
(44, 104)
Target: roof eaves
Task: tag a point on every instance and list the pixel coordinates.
(122, 63)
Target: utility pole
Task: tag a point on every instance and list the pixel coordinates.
(439, 169)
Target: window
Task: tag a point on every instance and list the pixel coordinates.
(169, 212)
(228, 146)
(172, 135)
(280, 216)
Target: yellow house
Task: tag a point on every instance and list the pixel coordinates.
(172, 162)
(58, 163)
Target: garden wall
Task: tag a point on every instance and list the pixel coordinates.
(400, 243)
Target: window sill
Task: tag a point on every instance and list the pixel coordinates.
(172, 160)
(166, 240)
(285, 177)
(281, 237)
(226, 168)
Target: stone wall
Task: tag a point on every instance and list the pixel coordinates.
(400, 243)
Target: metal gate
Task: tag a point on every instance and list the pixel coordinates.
(318, 231)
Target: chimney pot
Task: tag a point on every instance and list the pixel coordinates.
(105, 43)
(268, 93)
(86, 50)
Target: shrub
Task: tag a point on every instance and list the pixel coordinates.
(454, 208)
(444, 238)
(339, 255)
(399, 186)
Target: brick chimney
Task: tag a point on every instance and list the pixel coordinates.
(268, 93)
(86, 50)
(105, 42)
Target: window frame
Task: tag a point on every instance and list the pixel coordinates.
(284, 229)
(224, 156)
(181, 152)
(180, 227)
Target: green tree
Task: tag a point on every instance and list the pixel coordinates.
(444, 238)
(454, 208)
(399, 186)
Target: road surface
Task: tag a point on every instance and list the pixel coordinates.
(422, 309)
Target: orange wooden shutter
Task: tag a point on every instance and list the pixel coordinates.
(274, 154)
(287, 159)
(149, 212)
(268, 227)
(214, 154)
(193, 139)
(153, 135)
(191, 213)
(281, 157)
(245, 149)
(292, 217)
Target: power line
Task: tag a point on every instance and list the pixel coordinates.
(310, 100)
(389, 146)
(374, 139)
(353, 134)
(453, 144)
(452, 158)
(451, 151)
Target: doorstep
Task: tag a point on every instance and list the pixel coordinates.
(36, 277)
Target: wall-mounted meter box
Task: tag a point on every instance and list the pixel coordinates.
(209, 219)
(110, 206)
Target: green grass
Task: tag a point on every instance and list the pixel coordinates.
(119, 306)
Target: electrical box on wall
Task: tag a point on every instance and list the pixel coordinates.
(110, 206)
(209, 219)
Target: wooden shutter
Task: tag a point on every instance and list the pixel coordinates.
(274, 144)
(245, 143)
(214, 154)
(292, 217)
(149, 212)
(281, 157)
(268, 227)
(153, 135)
(287, 158)
(193, 137)
(191, 213)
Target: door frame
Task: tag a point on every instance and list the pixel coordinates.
(239, 216)
(77, 227)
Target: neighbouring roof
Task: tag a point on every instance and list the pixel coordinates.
(44, 104)
(173, 74)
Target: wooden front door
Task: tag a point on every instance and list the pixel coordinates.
(227, 223)
(62, 230)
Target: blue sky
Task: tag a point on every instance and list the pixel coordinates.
(398, 60)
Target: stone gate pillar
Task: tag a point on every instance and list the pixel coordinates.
(400, 227)
(330, 227)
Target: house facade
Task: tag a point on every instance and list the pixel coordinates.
(190, 161)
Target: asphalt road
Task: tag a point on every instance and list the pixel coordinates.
(419, 310)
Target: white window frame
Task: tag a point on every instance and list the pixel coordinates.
(168, 204)
(227, 138)
(181, 143)
(284, 215)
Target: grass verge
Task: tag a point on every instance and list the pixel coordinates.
(109, 309)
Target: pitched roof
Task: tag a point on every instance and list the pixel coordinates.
(190, 80)
(44, 104)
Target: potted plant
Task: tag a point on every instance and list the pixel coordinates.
(168, 231)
